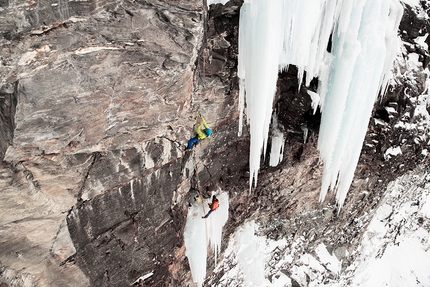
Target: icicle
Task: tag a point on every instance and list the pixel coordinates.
(315, 98)
(243, 35)
(359, 68)
(271, 37)
(241, 104)
(277, 150)
(260, 46)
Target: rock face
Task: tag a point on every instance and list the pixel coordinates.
(8, 100)
(97, 102)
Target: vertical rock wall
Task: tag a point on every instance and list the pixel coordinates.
(96, 178)
(8, 101)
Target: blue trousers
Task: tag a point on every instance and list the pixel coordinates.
(207, 215)
(192, 142)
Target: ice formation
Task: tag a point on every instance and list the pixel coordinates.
(277, 149)
(260, 44)
(199, 233)
(195, 239)
(364, 43)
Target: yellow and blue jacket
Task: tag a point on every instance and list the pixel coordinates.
(202, 130)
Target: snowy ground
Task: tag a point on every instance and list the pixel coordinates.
(395, 247)
(394, 250)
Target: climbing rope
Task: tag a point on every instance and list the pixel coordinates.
(198, 188)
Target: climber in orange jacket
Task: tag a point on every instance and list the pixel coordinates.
(212, 206)
(202, 131)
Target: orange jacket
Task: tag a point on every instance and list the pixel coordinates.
(214, 204)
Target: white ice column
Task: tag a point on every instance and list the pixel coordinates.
(361, 63)
(260, 46)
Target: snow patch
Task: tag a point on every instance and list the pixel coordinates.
(87, 50)
(144, 277)
(250, 253)
(422, 41)
(27, 58)
(404, 264)
(30, 56)
(331, 262)
(395, 248)
(392, 151)
(425, 209)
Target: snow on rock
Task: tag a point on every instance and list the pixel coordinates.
(403, 264)
(420, 121)
(248, 253)
(392, 151)
(86, 50)
(143, 277)
(253, 260)
(421, 41)
(395, 247)
(199, 233)
(331, 262)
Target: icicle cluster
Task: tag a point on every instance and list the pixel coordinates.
(277, 33)
(364, 47)
(260, 44)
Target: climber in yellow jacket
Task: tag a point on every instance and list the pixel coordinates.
(202, 131)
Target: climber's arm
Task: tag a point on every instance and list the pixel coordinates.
(204, 123)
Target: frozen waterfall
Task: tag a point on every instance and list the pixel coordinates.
(200, 233)
(277, 33)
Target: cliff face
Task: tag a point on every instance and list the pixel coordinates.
(98, 100)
